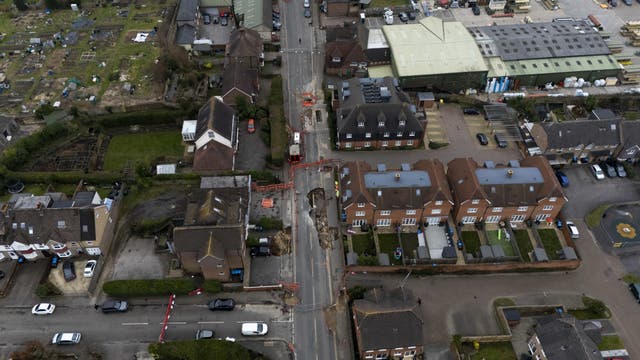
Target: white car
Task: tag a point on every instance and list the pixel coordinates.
(254, 329)
(573, 230)
(90, 268)
(597, 171)
(43, 309)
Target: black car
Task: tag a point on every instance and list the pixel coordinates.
(111, 306)
(206, 19)
(608, 169)
(475, 10)
(562, 178)
(403, 17)
(484, 140)
(224, 21)
(68, 270)
(412, 15)
(307, 12)
(222, 304)
(470, 111)
(259, 251)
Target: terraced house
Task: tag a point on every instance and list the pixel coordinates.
(403, 197)
(514, 192)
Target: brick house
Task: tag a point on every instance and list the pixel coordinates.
(345, 58)
(376, 114)
(388, 325)
(211, 241)
(565, 338)
(515, 192)
(386, 198)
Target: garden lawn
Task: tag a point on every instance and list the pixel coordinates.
(471, 241)
(143, 147)
(388, 244)
(610, 342)
(492, 237)
(409, 244)
(363, 244)
(495, 351)
(550, 242)
(524, 243)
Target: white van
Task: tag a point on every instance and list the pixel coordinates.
(307, 3)
(254, 329)
(573, 230)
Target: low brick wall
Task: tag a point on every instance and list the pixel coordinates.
(559, 265)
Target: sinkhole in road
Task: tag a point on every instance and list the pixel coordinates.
(318, 214)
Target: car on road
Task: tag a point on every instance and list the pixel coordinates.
(259, 251)
(43, 309)
(254, 329)
(635, 290)
(403, 17)
(482, 138)
(573, 230)
(475, 10)
(69, 271)
(111, 306)
(307, 12)
(563, 179)
(205, 334)
(224, 21)
(66, 338)
(307, 3)
(251, 126)
(470, 111)
(597, 171)
(222, 304)
(89, 268)
(608, 169)
(620, 170)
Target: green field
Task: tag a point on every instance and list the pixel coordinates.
(494, 239)
(471, 241)
(524, 243)
(388, 244)
(550, 242)
(143, 147)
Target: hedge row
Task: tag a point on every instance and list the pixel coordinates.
(16, 155)
(148, 117)
(153, 287)
(149, 226)
(202, 349)
(72, 177)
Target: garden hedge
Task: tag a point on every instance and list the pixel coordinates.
(154, 287)
(202, 350)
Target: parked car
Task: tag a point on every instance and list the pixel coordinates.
(613, 3)
(475, 10)
(573, 230)
(307, 12)
(620, 170)
(403, 17)
(68, 270)
(563, 179)
(54, 261)
(628, 2)
(254, 329)
(635, 291)
(259, 251)
(559, 223)
(224, 21)
(482, 138)
(90, 268)
(206, 19)
(608, 169)
(460, 244)
(63, 338)
(470, 111)
(111, 306)
(412, 15)
(597, 171)
(251, 126)
(502, 143)
(43, 309)
(222, 304)
(205, 334)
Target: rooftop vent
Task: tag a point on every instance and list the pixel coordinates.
(509, 172)
(397, 176)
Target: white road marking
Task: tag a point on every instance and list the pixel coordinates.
(176, 323)
(210, 322)
(132, 324)
(282, 321)
(249, 321)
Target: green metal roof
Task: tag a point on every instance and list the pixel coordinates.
(256, 12)
(432, 46)
(561, 65)
(214, 3)
(380, 71)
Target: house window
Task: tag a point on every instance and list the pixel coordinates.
(347, 145)
(409, 353)
(385, 212)
(401, 122)
(354, 64)
(85, 228)
(496, 210)
(411, 212)
(475, 201)
(219, 265)
(399, 133)
(413, 133)
(408, 221)
(335, 59)
(436, 211)
(382, 356)
(547, 207)
(472, 210)
(517, 218)
(439, 202)
(385, 143)
(523, 208)
(367, 144)
(409, 142)
(360, 213)
(361, 205)
(381, 123)
(553, 199)
(383, 222)
(360, 123)
(221, 273)
(30, 230)
(349, 136)
(386, 134)
(367, 135)
(492, 219)
(398, 143)
(359, 222)
(61, 224)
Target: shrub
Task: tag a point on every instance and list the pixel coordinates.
(201, 349)
(146, 117)
(269, 223)
(47, 289)
(212, 286)
(595, 306)
(356, 292)
(252, 241)
(16, 155)
(368, 260)
(149, 287)
(433, 145)
(149, 226)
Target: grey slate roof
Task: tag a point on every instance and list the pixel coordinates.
(372, 115)
(241, 76)
(509, 176)
(539, 40)
(218, 116)
(397, 179)
(564, 339)
(245, 42)
(187, 10)
(582, 132)
(185, 34)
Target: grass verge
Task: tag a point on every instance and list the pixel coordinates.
(631, 278)
(593, 217)
(471, 241)
(503, 302)
(524, 243)
(593, 309)
(610, 342)
(154, 287)
(142, 147)
(550, 242)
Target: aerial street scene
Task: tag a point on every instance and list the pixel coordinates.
(320, 179)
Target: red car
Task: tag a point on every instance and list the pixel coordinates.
(251, 126)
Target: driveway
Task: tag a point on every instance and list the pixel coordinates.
(139, 260)
(252, 151)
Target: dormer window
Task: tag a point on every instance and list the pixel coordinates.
(386, 134)
(335, 59)
(402, 123)
(399, 133)
(367, 135)
(413, 133)
(360, 123)
(381, 123)
(349, 136)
